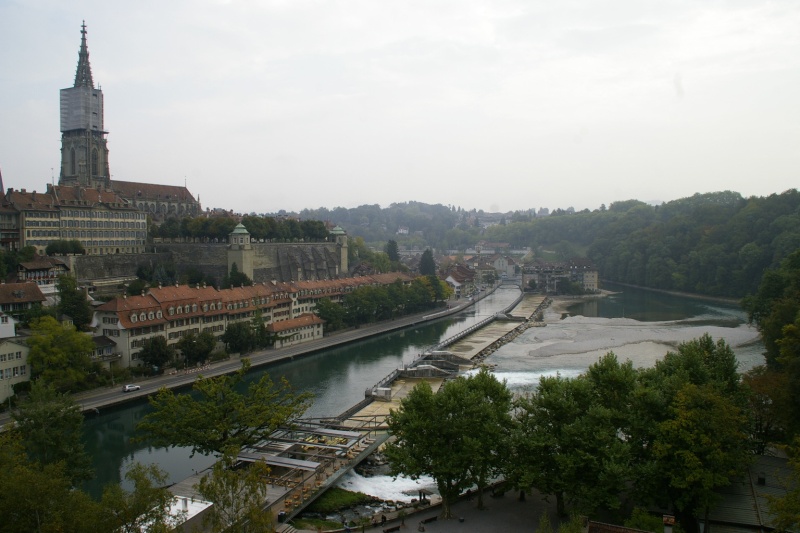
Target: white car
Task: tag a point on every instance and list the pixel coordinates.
(130, 388)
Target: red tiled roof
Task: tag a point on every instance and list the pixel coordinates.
(20, 293)
(135, 190)
(304, 320)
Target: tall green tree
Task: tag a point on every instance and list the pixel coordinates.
(489, 442)
(50, 425)
(239, 337)
(145, 507)
(59, 355)
(331, 312)
(236, 278)
(40, 498)
(699, 450)
(72, 301)
(197, 347)
(429, 438)
(564, 437)
(458, 436)
(786, 508)
(392, 250)
(218, 417)
(427, 266)
(156, 352)
(238, 494)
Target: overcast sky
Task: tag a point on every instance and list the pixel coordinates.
(497, 105)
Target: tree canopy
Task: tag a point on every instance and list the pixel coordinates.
(49, 425)
(217, 417)
(60, 356)
(457, 436)
(72, 301)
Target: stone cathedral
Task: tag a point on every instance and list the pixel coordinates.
(84, 150)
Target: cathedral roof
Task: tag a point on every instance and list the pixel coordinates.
(135, 190)
(83, 75)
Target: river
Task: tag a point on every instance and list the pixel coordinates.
(635, 324)
(337, 377)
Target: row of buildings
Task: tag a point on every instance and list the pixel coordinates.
(120, 327)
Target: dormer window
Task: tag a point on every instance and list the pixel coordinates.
(159, 314)
(180, 309)
(213, 307)
(133, 318)
(194, 308)
(171, 311)
(205, 307)
(150, 315)
(142, 317)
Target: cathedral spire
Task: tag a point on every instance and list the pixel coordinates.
(83, 76)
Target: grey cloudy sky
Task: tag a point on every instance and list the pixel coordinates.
(497, 105)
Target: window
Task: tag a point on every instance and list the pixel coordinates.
(159, 314)
(142, 317)
(150, 315)
(133, 318)
(4, 319)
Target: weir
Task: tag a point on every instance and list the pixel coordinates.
(313, 454)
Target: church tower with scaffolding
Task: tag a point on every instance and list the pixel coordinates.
(84, 148)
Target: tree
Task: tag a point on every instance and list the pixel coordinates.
(156, 352)
(238, 337)
(146, 507)
(72, 301)
(786, 508)
(136, 287)
(564, 437)
(235, 278)
(63, 247)
(238, 493)
(50, 426)
(427, 266)
(331, 312)
(689, 433)
(437, 435)
(218, 417)
(59, 355)
(699, 450)
(196, 348)
(40, 498)
(392, 250)
(489, 441)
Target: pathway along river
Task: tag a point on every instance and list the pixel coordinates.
(338, 377)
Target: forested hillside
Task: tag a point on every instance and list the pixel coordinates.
(717, 244)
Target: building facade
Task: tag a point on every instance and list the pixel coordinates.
(14, 367)
(175, 311)
(102, 221)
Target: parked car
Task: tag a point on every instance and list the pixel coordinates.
(130, 388)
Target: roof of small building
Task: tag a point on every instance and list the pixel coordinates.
(304, 320)
(20, 293)
(43, 263)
